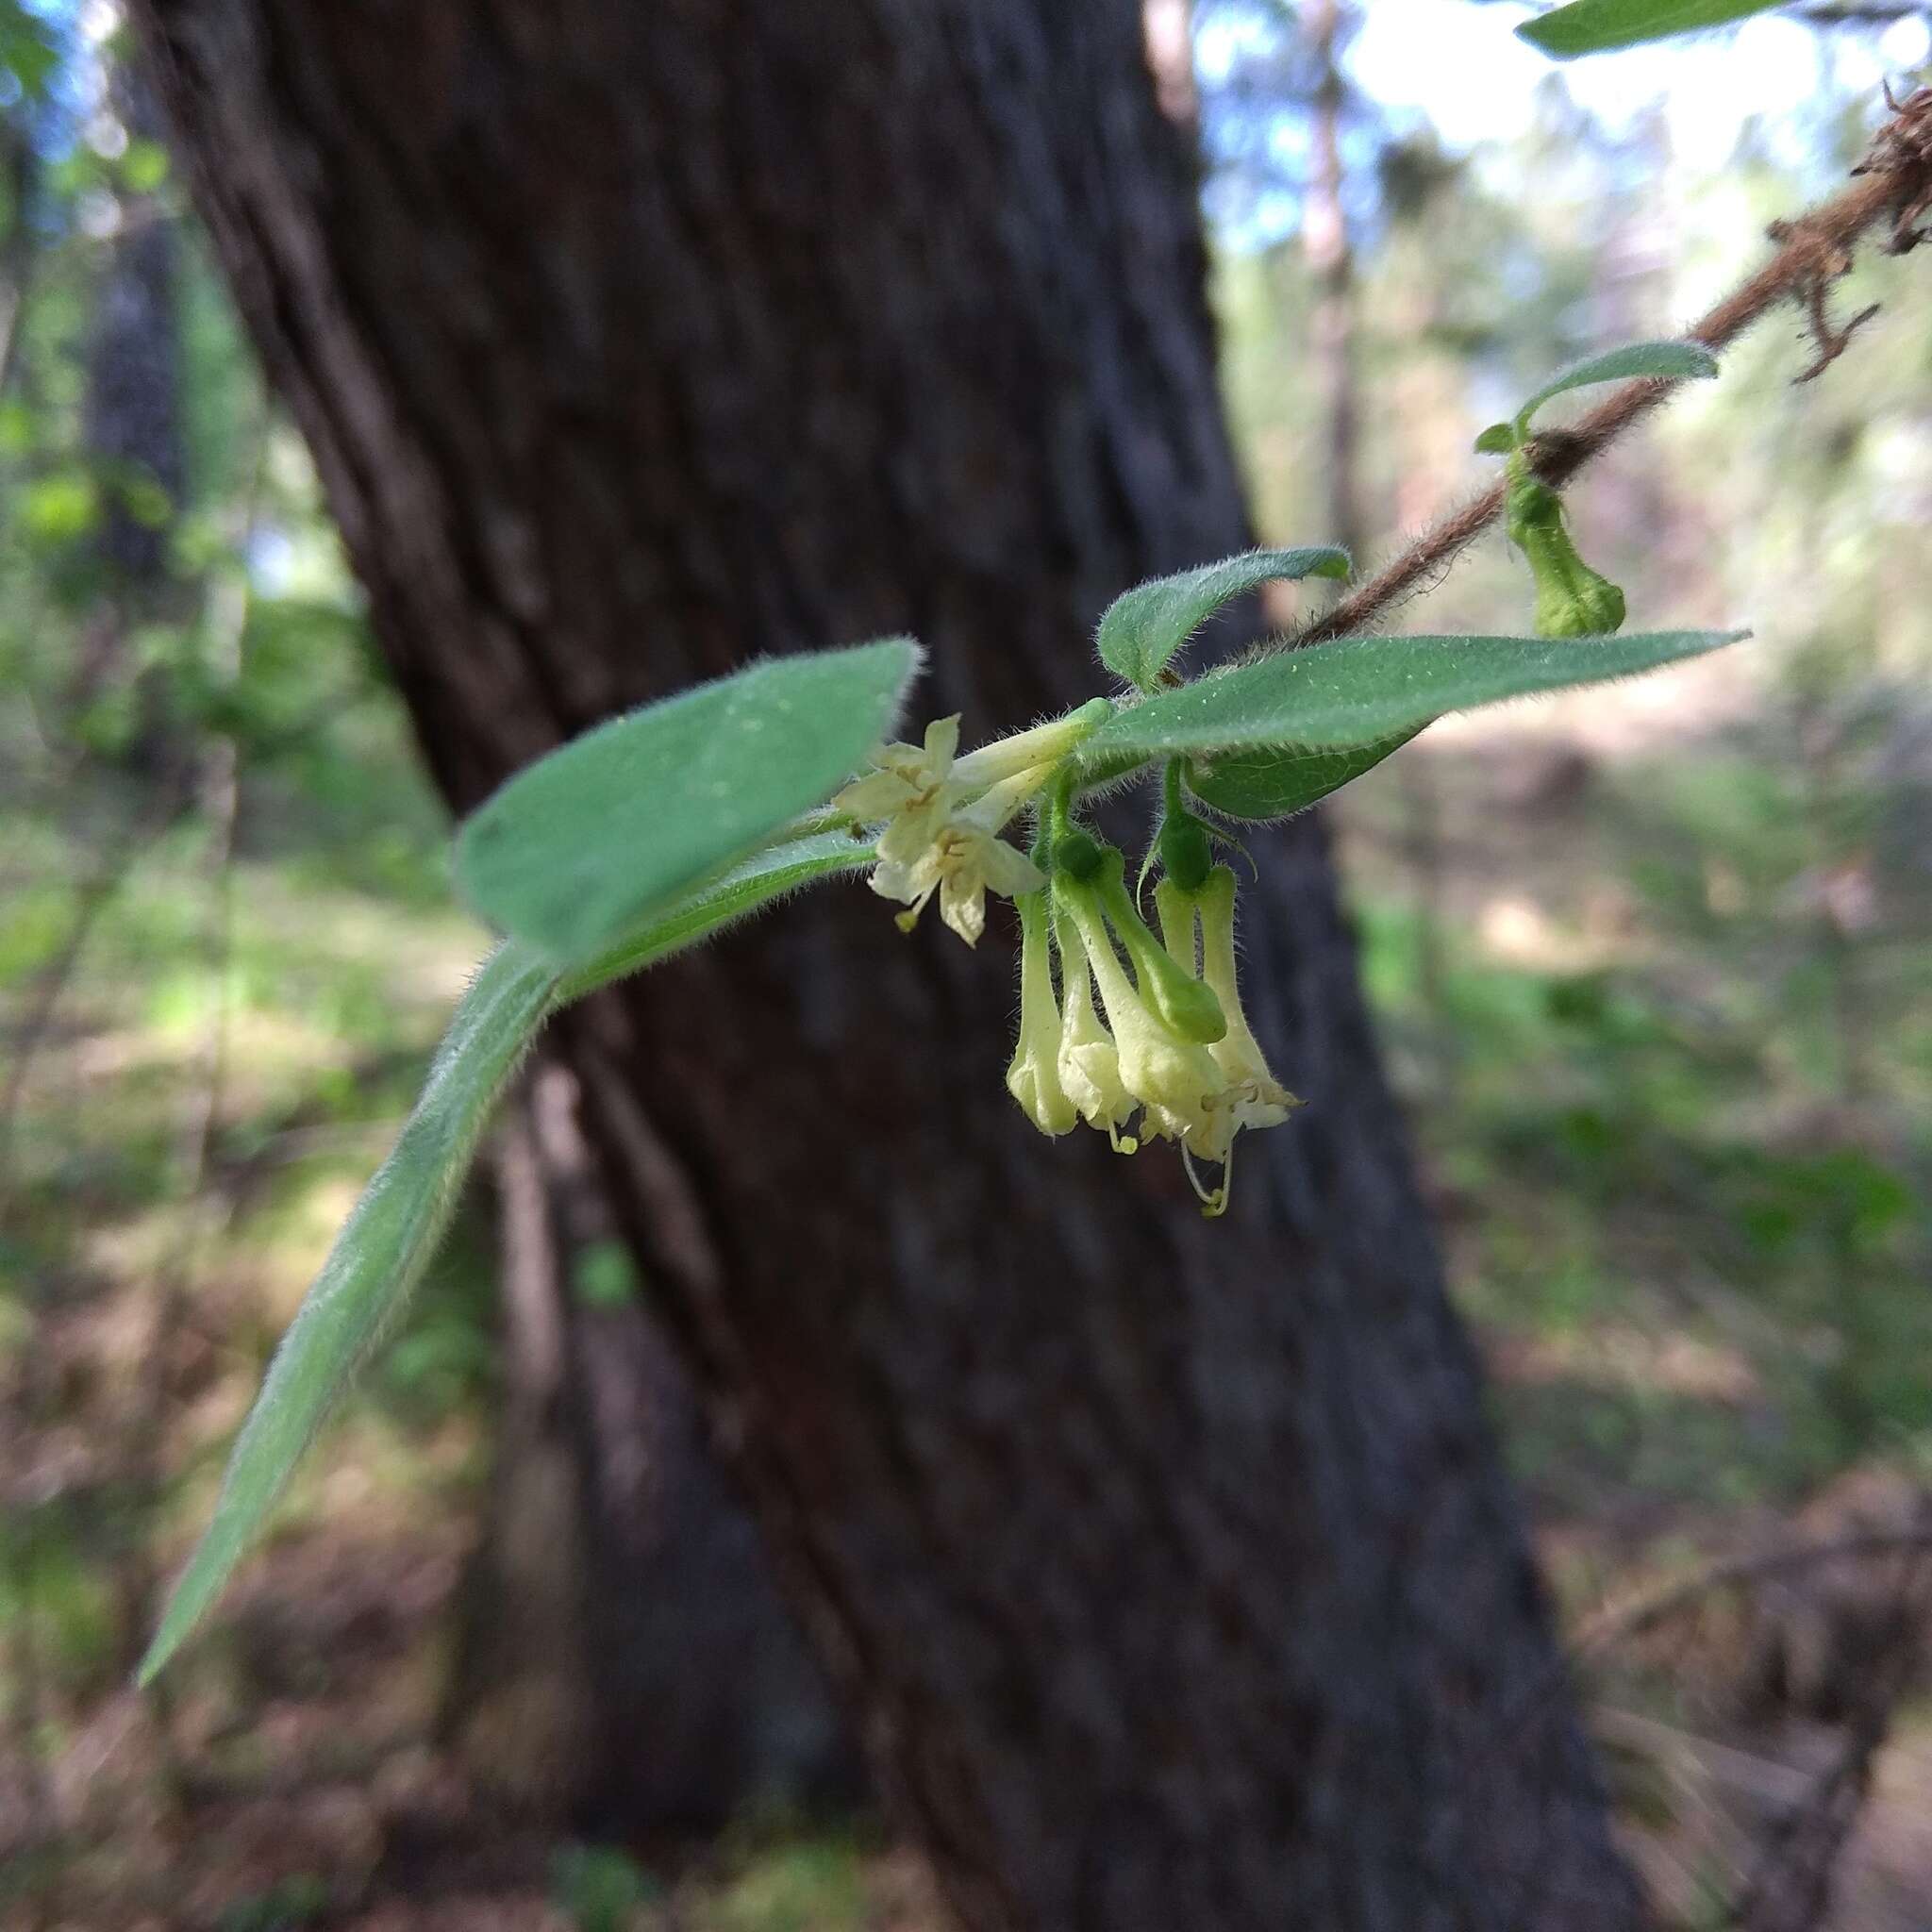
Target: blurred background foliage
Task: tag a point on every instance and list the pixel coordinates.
(1651, 963)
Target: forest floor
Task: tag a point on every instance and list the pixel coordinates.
(1664, 1025)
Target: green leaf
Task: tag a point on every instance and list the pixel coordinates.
(1277, 784)
(604, 1276)
(1674, 362)
(1359, 690)
(377, 1259)
(1146, 625)
(143, 167)
(390, 1238)
(754, 883)
(28, 51)
(1591, 27)
(1498, 440)
(58, 507)
(575, 850)
(1103, 775)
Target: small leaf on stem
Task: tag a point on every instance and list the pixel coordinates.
(1279, 784)
(1359, 690)
(1593, 26)
(377, 1259)
(1146, 625)
(1672, 361)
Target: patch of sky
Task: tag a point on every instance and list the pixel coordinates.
(1458, 68)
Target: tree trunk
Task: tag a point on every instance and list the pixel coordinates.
(134, 436)
(133, 404)
(623, 1658)
(1167, 1565)
(1324, 235)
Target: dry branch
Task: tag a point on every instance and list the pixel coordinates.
(1893, 187)
(1620, 1622)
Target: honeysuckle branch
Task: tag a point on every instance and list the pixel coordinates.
(657, 830)
(1893, 187)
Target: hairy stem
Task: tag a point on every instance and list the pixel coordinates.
(1895, 185)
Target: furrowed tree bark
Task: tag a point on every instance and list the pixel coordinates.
(1167, 1566)
(623, 1659)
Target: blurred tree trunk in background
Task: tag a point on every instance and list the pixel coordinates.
(623, 1655)
(1324, 235)
(1334, 348)
(1167, 1566)
(20, 172)
(134, 435)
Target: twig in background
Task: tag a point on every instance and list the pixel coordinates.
(1858, 12)
(1618, 1623)
(1790, 1889)
(1893, 186)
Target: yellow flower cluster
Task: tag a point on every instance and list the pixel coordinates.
(935, 839)
(1187, 1064)
(1143, 1037)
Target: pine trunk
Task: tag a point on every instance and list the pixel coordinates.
(623, 1659)
(1167, 1566)
(135, 436)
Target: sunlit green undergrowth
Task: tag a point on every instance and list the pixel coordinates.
(295, 993)
(1677, 1114)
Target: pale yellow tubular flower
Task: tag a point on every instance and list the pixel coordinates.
(972, 864)
(1044, 744)
(934, 841)
(909, 777)
(1089, 1062)
(914, 791)
(962, 862)
(1003, 801)
(1175, 1079)
(1175, 911)
(911, 884)
(1254, 1097)
(1033, 1079)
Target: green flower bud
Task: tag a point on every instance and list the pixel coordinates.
(1185, 1006)
(1571, 600)
(1186, 856)
(1175, 909)
(1079, 855)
